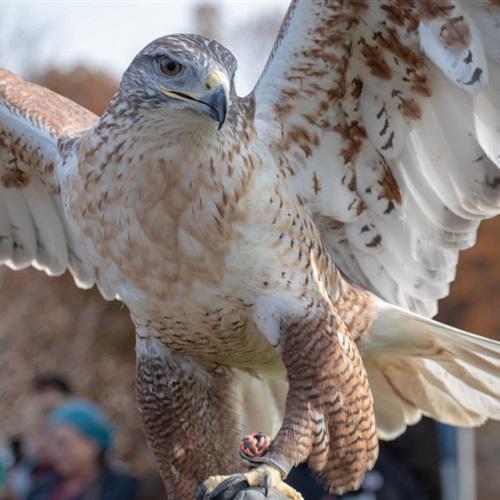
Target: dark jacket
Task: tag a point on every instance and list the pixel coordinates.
(111, 485)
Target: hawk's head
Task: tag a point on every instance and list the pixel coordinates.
(182, 72)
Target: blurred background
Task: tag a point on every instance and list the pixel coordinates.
(47, 325)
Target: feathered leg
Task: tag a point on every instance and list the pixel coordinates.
(187, 418)
(329, 420)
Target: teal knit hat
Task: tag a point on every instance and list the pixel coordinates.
(87, 419)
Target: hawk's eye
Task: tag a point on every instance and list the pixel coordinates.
(170, 67)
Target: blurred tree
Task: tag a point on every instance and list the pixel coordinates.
(207, 19)
(17, 43)
(92, 89)
(475, 294)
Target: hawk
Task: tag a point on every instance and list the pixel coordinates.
(280, 253)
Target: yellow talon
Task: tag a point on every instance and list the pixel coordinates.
(268, 474)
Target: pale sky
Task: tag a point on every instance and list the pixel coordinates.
(109, 34)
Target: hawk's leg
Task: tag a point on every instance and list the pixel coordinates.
(186, 417)
(329, 420)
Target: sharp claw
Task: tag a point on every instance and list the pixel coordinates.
(266, 486)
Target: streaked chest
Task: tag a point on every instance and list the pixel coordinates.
(158, 220)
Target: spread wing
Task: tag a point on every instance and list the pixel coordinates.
(33, 229)
(385, 116)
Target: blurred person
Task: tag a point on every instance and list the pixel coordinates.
(30, 450)
(49, 391)
(80, 439)
(5, 458)
(151, 487)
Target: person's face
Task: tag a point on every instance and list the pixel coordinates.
(39, 444)
(72, 452)
(36, 409)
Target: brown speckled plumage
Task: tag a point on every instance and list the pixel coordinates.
(181, 407)
(250, 252)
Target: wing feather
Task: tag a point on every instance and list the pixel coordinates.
(51, 248)
(6, 237)
(386, 118)
(24, 246)
(33, 228)
(488, 23)
(453, 44)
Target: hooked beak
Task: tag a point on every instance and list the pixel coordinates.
(215, 101)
